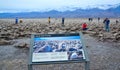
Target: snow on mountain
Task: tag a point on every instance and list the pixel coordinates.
(73, 8)
(90, 11)
(104, 7)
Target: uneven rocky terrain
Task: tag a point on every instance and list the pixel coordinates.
(103, 47)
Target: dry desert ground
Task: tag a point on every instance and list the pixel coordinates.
(103, 47)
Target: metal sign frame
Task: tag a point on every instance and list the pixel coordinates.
(86, 60)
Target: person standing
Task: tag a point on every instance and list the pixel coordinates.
(107, 22)
(49, 20)
(117, 21)
(98, 19)
(16, 20)
(63, 21)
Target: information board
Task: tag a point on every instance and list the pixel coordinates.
(55, 48)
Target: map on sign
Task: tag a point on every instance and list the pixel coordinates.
(57, 48)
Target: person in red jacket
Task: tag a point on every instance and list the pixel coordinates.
(84, 26)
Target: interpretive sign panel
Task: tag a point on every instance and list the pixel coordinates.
(57, 48)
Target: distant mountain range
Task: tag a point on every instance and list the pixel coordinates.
(111, 11)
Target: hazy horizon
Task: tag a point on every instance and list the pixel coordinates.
(46, 5)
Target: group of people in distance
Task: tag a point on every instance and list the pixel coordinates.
(62, 20)
(85, 26)
(106, 24)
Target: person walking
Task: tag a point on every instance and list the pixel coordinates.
(107, 22)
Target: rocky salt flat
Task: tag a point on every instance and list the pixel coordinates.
(103, 47)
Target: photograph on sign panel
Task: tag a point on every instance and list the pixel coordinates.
(71, 45)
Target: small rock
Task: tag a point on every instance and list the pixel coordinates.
(100, 35)
(73, 28)
(5, 42)
(22, 45)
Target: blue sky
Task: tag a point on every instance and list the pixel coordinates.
(43, 5)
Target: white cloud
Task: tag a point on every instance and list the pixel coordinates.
(41, 5)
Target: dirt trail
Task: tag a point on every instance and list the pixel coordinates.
(103, 56)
